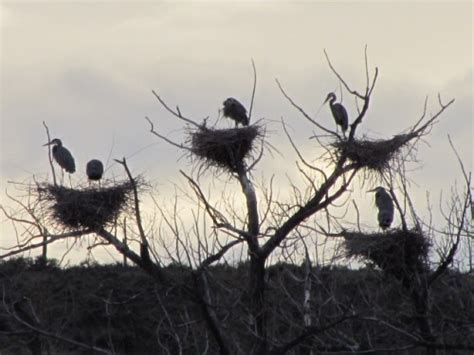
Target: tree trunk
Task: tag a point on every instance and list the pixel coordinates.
(257, 304)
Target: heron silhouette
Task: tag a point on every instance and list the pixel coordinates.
(94, 170)
(63, 157)
(384, 203)
(235, 111)
(338, 112)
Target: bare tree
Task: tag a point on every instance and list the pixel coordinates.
(272, 311)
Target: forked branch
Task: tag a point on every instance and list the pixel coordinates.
(176, 113)
(303, 112)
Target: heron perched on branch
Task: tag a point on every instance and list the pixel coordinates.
(338, 112)
(62, 156)
(384, 203)
(236, 111)
(95, 170)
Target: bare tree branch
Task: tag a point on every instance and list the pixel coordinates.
(176, 113)
(303, 112)
(178, 145)
(50, 157)
(253, 89)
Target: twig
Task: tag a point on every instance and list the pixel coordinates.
(452, 252)
(260, 155)
(219, 220)
(299, 153)
(49, 153)
(303, 112)
(432, 119)
(176, 113)
(253, 89)
(138, 217)
(52, 238)
(152, 130)
(215, 257)
(353, 92)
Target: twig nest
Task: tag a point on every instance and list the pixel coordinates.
(224, 148)
(397, 252)
(86, 208)
(373, 154)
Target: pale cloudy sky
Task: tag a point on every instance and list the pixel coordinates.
(87, 69)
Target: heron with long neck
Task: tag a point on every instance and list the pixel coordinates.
(62, 156)
(338, 112)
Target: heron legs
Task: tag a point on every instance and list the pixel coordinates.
(343, 132)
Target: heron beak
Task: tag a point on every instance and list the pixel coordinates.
(373, 190)
(44, 145)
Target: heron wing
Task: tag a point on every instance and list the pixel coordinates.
(65, 160)
(383, 201)
(340, 116)
(237, 112)
(240, 113)
(385, 218)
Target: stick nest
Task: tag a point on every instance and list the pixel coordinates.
(224, 148)
(90, 207)
(397, 252)
(373, 154)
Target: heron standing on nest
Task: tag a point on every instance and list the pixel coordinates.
(94, 170)
(338, 112)
(62, 156)
(236, 111)
(384, 203)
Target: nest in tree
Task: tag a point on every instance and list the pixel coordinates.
(397, 252)
(224, 148)
(373, 154)
(90, 207)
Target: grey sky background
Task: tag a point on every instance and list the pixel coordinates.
(87, 69)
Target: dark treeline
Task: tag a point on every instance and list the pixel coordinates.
(123, 310)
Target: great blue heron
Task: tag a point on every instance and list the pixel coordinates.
(236, 111)
(384, 203)
(338, 112)
(62, 156)
(95, 170)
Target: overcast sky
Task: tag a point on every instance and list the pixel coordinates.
(87, 70)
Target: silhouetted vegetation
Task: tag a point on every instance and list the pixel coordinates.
(121, 308)
(403, 300)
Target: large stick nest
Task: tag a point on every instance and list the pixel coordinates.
(373, 154)
(90, 207)
(397, 252)
(224, 148)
